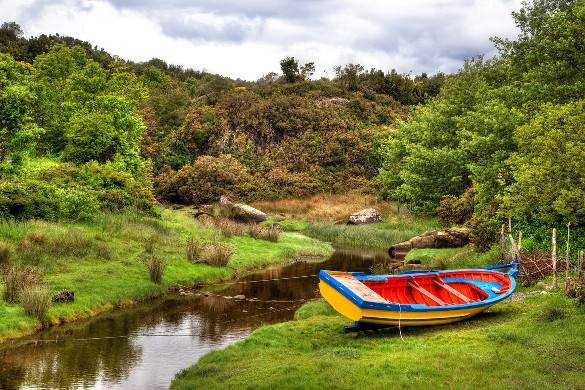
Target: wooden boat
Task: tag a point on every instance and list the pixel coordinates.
(416, 298)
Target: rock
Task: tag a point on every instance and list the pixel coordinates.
(448, 238)
(186, 293)
(242, 212)
(240, 297)
(64, 296)
(364, 217)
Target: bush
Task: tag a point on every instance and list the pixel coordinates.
(17, 279)
(36, 301)
(485, 231)
(453, 210)
(206, 180)
(268, 233)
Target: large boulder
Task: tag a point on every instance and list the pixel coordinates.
(365, 217)
(242, 212)
(448, 238)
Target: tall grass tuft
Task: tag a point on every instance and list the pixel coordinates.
(5, 254)
(149, 244)
(229, 228)
(36, 301)
(268, 233)
(19, 278)
(156, 267)
(194, 250)
(217, 254)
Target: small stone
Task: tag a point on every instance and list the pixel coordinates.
(240, 297)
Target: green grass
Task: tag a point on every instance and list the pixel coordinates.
(287, 224)
(104, 262)
(378, 235)
(511, 346)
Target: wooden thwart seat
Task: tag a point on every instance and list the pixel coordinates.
(414, 284)
(439, 282)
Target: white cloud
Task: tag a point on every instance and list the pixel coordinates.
(248, 39)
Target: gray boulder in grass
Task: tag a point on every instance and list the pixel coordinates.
(242, 212)
(364, 217)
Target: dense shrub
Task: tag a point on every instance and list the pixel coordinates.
(455, 210)
(206, 180)
(64, 192)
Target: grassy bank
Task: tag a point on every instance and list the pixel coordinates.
(323, 217)
(531, 342)
(105, 262)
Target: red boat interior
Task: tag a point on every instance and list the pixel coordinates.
(431, 290)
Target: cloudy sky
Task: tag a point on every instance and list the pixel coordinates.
(247, 38)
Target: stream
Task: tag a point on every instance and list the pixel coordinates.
(144, 346)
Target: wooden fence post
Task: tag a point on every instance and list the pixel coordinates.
(519, 243)
(554, 258)
(580, 266)
(568, 263)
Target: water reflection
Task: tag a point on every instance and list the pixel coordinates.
(144, 346)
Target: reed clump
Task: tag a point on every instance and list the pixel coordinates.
(5, 254)
(216, 254)
(156, 267)
(17, 279)
(268, 233)
(195, 249)
(36, 301)
(229, 228)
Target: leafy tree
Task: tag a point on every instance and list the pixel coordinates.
(290, 69)
(548, 58)
(548, 167)
(105, 130)
(349, 76)
(18, 132)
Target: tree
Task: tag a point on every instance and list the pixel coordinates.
(290, 69)
(548, 167)
(105, 130)
(18, 132)
(350, 76)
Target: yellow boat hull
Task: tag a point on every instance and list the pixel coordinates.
(349, 309)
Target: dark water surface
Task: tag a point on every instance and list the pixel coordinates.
(143, 347)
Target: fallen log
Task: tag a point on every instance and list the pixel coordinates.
(448, 238)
